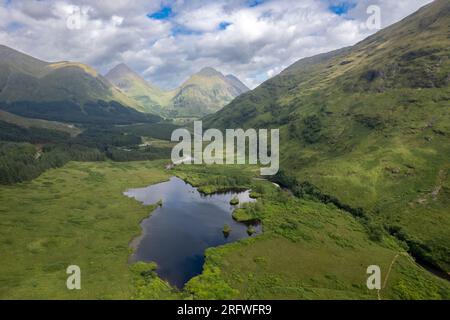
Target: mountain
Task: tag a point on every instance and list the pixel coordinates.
(66, 91)
(235, 82)
(151, 98)
(369, 125)
(203, 93)
(206, 92)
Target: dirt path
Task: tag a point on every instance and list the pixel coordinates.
(388, 274)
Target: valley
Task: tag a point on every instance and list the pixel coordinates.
(78, 215)
(359, 147)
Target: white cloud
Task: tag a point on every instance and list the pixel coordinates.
(255, 43)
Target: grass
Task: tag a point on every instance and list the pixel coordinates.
(375, 135)
(241, 215)
(78, 215)
(308, 250)
(399, 175)
(226, 230)
(74, 215)
(217, 178)
(234, 201)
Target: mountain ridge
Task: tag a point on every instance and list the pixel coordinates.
(202, 93)
(66, 91)
(370, 126)
(150, 97)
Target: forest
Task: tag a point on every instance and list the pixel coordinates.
(25, 153)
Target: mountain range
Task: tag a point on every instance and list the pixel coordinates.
(66, 91)
(364, 177)
(370, 126)
(75, 92)
(203, 93)
(150, 98)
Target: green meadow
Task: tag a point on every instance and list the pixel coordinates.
(75, 215)
(308, 250)
(78, 215)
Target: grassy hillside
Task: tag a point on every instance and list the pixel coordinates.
(66, 91)
(24, 78)
(308, 250)
(151, 99)
(206, 92)
(203, 93)
(370, 125)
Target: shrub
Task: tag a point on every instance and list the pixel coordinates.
(234, 201)
(311, 132)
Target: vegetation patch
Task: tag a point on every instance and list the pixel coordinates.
(90, 224)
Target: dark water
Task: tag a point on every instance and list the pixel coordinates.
(177, 234)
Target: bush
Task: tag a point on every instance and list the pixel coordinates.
(249, 212)
(375, 232)
(311, 133)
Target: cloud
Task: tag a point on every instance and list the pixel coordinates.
(166, 41)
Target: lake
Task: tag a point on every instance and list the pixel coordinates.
(176, 235)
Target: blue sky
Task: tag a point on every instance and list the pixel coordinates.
(168, 40)
(342, 7)
(162, 14)
(254, 3)
(165, 12)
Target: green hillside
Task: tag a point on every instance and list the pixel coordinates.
(151, 98)
(203, 93)
(206, 92)
(66, 91)
(370, 125)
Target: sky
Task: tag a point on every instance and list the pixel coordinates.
(167, 41)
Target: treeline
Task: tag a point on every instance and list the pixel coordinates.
(23, 161)
(306, 189)
(421, 251)
(162, 131)
(28, 152)
(137, 154)
(99, 112)
(303, 189)
(102, 137)
(11, 132)
(230, 181)
(120, 144)
(415, 247)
